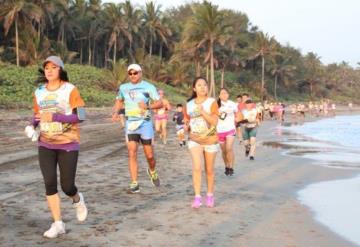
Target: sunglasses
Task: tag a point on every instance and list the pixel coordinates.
(134, 73)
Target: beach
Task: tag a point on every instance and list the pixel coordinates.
(258, 206)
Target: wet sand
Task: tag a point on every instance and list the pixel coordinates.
(255, 207)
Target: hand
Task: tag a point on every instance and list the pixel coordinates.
(142, 105)
(37, 116)
(115, 117)
(46, 117)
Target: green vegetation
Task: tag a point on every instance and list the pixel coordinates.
(98, 40)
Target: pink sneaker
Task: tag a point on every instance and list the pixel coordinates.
(197, 202)
(210, 201)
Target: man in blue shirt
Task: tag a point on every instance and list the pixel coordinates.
(138, 97)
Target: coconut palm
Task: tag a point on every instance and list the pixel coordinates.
(133, 17)
(116, 25)
(207, 29)
(19, 13)
(282, 71)
(263, 47)
(154, 26)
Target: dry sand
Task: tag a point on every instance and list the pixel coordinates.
(256, 207)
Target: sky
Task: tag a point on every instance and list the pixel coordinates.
(329, 28)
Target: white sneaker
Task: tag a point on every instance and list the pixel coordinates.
(58, 227)
(81, 210)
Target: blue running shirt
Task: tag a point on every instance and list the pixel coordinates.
(132, 94)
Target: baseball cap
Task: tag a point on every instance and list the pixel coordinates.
(55, 60)
(134, 66)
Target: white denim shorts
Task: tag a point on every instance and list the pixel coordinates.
(213, 148)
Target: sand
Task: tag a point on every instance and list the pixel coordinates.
(256, 207)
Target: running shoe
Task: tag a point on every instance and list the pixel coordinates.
(252, 158)
(227, 171)
(81, 209)
(210, 202)
(154, 178)
(247, 150)
(231, 171)
(57, 228)
(196, 202)
(133, 188)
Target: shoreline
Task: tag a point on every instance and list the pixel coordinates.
(258, 206)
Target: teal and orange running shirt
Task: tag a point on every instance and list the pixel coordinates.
(132, 94)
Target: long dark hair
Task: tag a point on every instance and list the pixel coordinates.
(194, 95)
(219, 100)
(42, 78)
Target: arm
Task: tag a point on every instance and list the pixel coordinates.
(211, 118)
(119, 104)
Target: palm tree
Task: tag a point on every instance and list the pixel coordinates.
(133, 17)
(154, 26)
(207, 29)
(282, 70)
(18, 12)
(264, 46)
(116, 25)
(313, 66)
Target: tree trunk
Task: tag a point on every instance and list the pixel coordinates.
(262, 78)
(150, 47)
(198, 68)
(207, 72)
(114, 58)
(89, 51)
(131, 53)
(275, 86)
(212, 72)
(222, 77)
(93, 51)
(81, 52)
(17, 42)
(161, 51)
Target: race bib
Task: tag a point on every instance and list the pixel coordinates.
(161, 111)
(199, 126)
(52, 128)
(134, 125)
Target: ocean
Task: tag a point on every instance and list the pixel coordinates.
(333, 142)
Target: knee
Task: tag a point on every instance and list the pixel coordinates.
(132, 154)
(51, 186)
(209, 172)
(197, 169)
(69, 188)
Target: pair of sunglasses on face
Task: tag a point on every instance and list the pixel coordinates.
(133, 73)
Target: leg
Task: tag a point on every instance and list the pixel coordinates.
(252, 146)
(67, 167)
(48, 166)
(133, 167)
(209, 167)
(224, 154)
(164, 130)
(196, 157)
(149, 154)
(229, 150)
(158, 127)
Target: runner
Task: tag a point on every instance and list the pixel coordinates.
(179, 119)
(58, 108)
(161, 117)
(135, 96)
(201, 117)
(251, 120)
(238, 125)
(226, 129)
